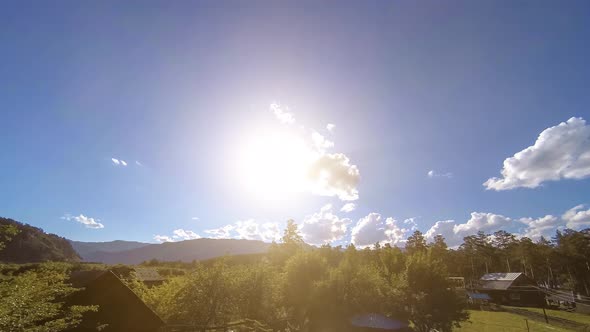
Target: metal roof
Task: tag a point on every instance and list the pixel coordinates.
(511, 276)
(479, 296)
(377, 321)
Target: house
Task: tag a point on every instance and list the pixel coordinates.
(120, 309)
(511, 289)
(150, 277)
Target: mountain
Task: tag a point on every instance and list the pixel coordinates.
(87, 250)
(186, 251)
(32, 244)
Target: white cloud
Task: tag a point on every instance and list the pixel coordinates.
(320, 142)
(560, 152)
(224, 232)
(163, 238)
(482, 221)
(545, 226)
(333, 175)
(138, 163)
(446, 228)
(324, 227)
(330, 127)
(479, 221)
(84, 220)
(434, 174)
(348, 207)
(248, 230)
(182, 234)
(118, 162)
(576, 218)
(412, 223)
(282, 113)
(373, 228)
(195, 218)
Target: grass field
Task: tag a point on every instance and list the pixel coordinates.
(489, 321)
(576, 317)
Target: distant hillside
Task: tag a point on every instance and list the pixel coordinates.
(32, 244)
(185, 251)
(87, 250)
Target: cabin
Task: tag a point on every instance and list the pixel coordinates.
(150, 277)
(120, 309)
(511, 289)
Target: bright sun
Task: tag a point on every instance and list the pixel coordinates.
(273, 164)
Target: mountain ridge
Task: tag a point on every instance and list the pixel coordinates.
(186, 251)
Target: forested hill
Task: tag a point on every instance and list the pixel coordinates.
(185, 251)
(32, 244)
(88, 250)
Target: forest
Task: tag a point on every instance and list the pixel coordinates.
(297, 287)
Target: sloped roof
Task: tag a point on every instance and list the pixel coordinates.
(503, 281)
(147, 274)
(510, 276)
(118, 305)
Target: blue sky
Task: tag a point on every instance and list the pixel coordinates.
(182, 91)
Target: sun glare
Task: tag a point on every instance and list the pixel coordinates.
(274, 164)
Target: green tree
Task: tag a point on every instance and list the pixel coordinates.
(7, 232)
(34, 301)
(432, 302)
(416, 242)
(291, 234)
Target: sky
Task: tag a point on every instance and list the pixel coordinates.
(362, 121)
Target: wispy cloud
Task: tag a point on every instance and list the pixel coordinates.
(330, 127)
(195, 218)
(434, 174)
(84, 220)
(282, 113)
(118, 162)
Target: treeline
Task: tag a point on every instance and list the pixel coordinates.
(560, 262)
(312, 289)
(22, 243)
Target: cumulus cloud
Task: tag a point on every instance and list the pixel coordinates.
(545, 226)
(446, 228)
(434, 174)
(182, 234)
(479, 221)
(348, 207)
(177, 235)
(248, 230)
(334, 175)
(163, 238)
(576, 217)
(411, 222)
(324, 227)
(330, 127)
(84, 220)
(560, 152)
(282, 113)
(373, 228)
